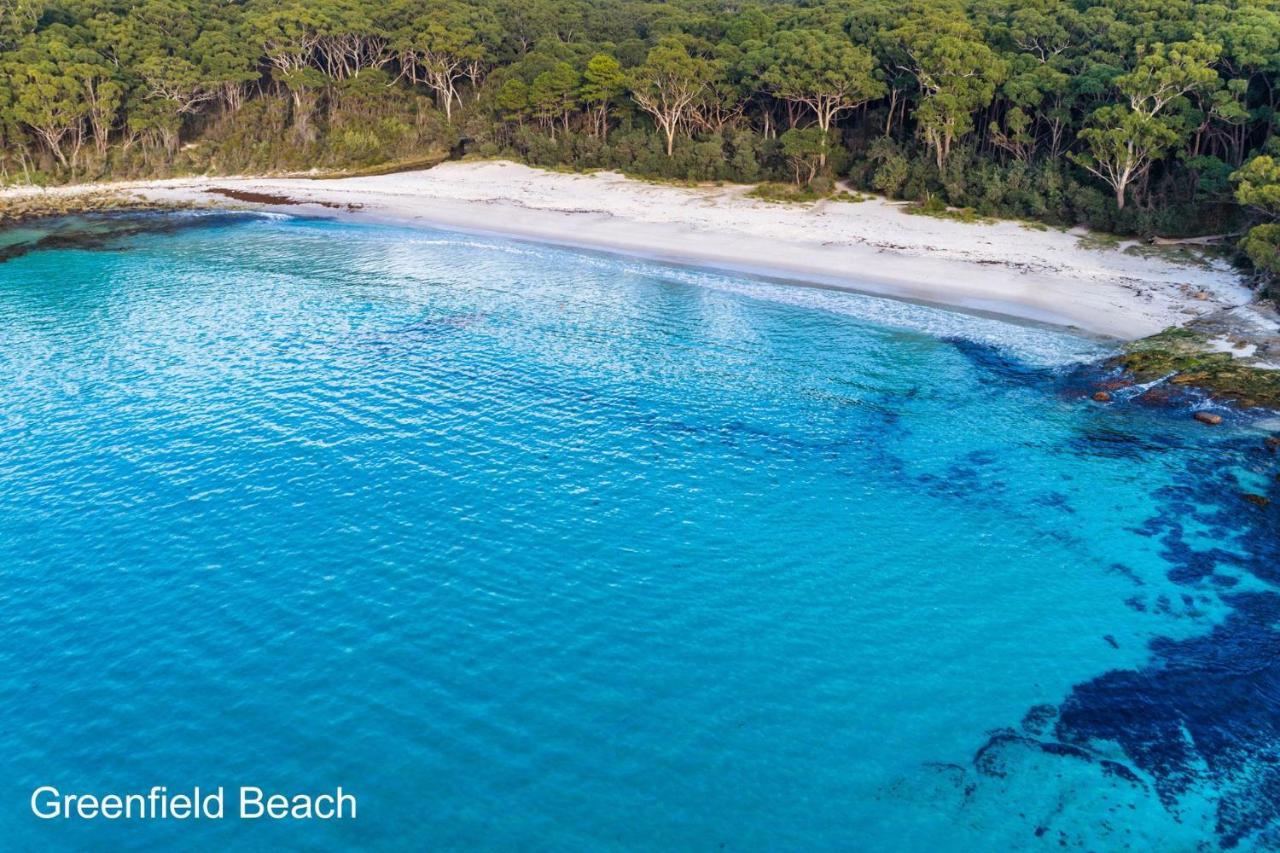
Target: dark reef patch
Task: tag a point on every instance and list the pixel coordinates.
(106, 232)
(1112, 443)
(997, 367)
(989, 761)
(1207, 706)
(1036, 720)
(1126, 572)
(1118, 770)
(1204, 713)
(1055, 500)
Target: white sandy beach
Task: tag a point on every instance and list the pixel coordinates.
(871, 246)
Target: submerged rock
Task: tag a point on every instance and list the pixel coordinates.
(1102, 397)
(1260, 500)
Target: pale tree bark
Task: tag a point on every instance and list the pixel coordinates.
(669, 103)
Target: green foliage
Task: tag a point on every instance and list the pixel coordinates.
(603, 82)
(822, 70)
(668, 85)
(1167, 72)
(1258, 186)
(804, 148)
(955, 69)
(603, 79)
(1121, 144)
(891, 168)
(554, 93)
(1262, 246)
(785, 193)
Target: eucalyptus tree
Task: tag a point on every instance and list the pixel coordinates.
(822, 71)
(442, 45)
(668, 85)
(1121, 145)
(228, 58)
(17, 17)
(1123, 140)
(46, 96)
(1040, 42)
(103, 90)
(349, 40)
(289, 33)
(955, 70)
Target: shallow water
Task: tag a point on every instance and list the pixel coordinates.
(538, 549)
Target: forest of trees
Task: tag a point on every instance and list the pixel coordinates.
(1138, 116)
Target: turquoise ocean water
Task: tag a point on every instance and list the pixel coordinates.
(542, 550)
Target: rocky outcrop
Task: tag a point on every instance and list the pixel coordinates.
(1233, 355)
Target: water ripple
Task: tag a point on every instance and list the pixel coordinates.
(542, 549)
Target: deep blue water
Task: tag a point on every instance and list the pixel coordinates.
(534, 549)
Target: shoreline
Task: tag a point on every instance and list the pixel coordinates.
(1002, 269)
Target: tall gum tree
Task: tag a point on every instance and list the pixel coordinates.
(442, 46)
(227, 62)
(668, 85)
(1122, 141)
(290, 34)
(956, 71)
(46, 96)
(822, 70)
(1121, 146)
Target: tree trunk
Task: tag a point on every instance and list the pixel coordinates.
(824, 123)
(302, 107)
(53, 142)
